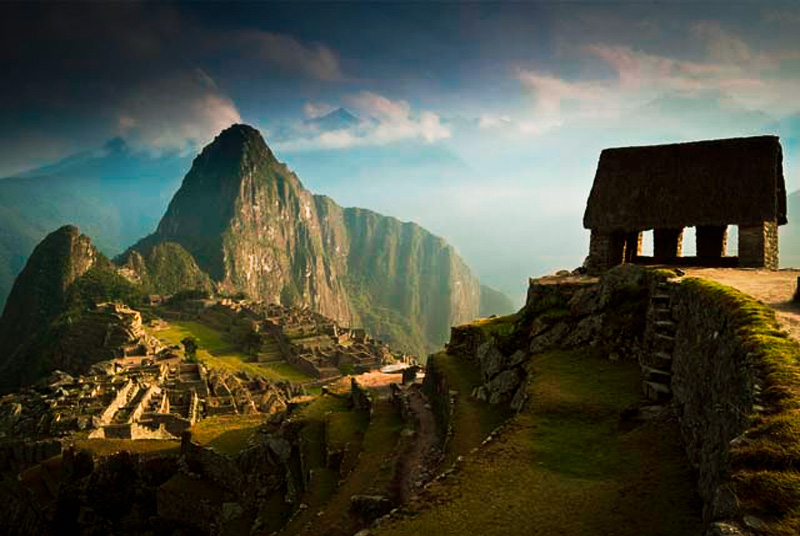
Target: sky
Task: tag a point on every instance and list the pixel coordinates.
(483, 122)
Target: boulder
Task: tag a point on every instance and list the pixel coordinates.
(490, 359)
(585, 302)
(501, 388)
(549, 339)
(585, 332)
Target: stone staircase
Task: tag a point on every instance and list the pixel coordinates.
(657, 366)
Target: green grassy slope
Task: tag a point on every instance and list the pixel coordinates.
(567, 465)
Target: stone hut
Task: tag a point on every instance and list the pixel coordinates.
(708, 185)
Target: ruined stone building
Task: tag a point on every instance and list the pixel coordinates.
(708, 185)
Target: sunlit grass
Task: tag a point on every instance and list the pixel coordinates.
(227, 434)
(216, 352)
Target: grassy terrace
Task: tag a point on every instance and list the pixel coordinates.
(227, 434)
(765, 465)
(473, 420)
(218, 353)
(566, 465)
(368, 465)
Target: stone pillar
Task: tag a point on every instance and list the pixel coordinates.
(633, 246)
(605, 250)
(758, 245)
(712, 241)
(667, 243)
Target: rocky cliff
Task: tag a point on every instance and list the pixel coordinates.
(252, 227)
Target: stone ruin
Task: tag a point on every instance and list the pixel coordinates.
(708, 185)
(156, 395)
(319, 346)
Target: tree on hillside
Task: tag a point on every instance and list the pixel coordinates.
(251, 344)
(190, 348)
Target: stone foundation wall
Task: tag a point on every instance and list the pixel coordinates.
(758, 246)
(605, 250)
(712, 385)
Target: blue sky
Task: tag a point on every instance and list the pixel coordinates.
(482, 122)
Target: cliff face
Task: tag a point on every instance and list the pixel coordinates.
(40, 290)
(252, 227)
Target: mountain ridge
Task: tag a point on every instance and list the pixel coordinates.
(252, 226)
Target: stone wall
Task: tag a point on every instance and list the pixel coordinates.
(605, 250)
(714, 377)
(758, 245)
(712, 385)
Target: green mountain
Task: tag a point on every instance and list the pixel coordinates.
(249, 224)
(114, 194)
(44, 323)
(494, 302)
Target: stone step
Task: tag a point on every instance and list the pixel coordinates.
(658, 361)
(664, 342)
(656, 375)
(663, 313)
(660, 297)
(665, 325)
(656, 392)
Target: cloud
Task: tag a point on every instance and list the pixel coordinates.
(736, 74)
(383, 121)
(180, 112)
(493, 121)
(378, 107)
(311, 59)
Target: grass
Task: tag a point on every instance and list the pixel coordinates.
(498, 326)
(473, 419)
(373, 474)
(567, 466)
(766, 464)
(227, 434)
(345, 431)
(218, 353)
(106, 447)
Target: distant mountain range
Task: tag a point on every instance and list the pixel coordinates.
(115, 195)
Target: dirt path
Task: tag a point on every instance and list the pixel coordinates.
(423, 457)
(772, 288)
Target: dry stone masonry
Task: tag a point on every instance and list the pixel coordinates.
(708, 185)
(693, 361)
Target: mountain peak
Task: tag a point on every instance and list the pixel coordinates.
(236, 144)
(338, 119)
(39, 290)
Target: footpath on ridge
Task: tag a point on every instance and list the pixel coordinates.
(774, 289)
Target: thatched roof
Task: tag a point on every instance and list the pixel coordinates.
(735, 181)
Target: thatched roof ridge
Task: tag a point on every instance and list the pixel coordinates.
(716, 182)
